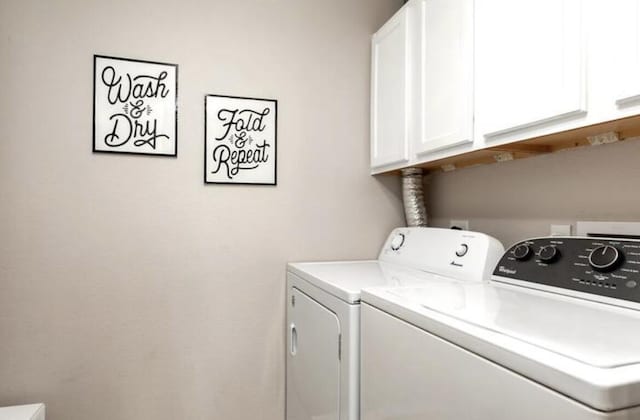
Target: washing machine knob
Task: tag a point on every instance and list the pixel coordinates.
(397, 241)
(522, 252)
(605, 258)
(549, 254)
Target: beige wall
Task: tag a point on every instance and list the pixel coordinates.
(130, 290)
(520, 199)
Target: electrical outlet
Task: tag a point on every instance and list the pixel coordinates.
(462, 224)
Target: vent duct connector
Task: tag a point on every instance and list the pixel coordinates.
(413, 197)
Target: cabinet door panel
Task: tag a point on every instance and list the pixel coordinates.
(628, 82)
(446, 108)
(390, 92)
(530, 64)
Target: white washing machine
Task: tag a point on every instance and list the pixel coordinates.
(323, 311)
(554, 336)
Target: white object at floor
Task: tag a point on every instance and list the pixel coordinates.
(22, 412)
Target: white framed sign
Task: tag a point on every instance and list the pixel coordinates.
(240, 137)
(135, 106)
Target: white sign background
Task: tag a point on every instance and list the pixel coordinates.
(240, 140)
(135, 106)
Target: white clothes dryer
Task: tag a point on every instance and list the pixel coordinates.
(323, 311)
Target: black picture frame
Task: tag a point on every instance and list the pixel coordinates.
(100, 146)
(272, 140)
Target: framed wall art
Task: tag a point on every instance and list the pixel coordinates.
(135, 106)
(240, 140)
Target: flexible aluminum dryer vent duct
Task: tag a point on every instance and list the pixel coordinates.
(413, 197)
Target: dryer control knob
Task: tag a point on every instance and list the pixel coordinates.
(397, 241)
(462, 250)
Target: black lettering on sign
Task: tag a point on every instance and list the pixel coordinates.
(240, 137)
(135, 106)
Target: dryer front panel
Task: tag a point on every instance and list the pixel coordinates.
(313, 359)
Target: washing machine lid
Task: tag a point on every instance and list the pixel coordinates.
(346, 279)
(587, 350)
(595, 334)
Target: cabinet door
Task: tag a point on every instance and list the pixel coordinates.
(628, 44)
(313, 362)
(530, 62)
(390, 92)
(446, 88)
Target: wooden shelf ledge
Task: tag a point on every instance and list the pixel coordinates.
(623, 128)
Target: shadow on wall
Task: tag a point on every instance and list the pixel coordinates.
(520, 199)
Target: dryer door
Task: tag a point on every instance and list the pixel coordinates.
(313, 359)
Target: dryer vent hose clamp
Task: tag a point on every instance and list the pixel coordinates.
(413, 197)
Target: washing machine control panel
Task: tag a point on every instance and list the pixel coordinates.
(599, 266)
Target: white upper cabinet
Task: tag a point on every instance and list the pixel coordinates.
(391, 92)
(613, 59)
(457, 76)
(445, 115)
(627, 20)
(530, 63)
(422, 82)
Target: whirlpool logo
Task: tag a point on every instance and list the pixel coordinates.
(501, 269)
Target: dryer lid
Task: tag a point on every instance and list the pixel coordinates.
(346, 279)
(595, 334)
